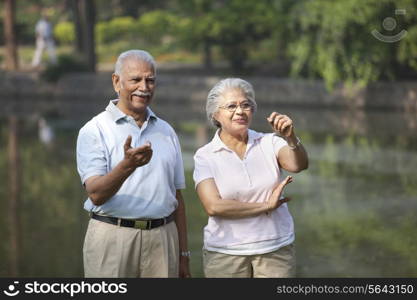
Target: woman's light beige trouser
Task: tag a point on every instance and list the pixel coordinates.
(277, 264)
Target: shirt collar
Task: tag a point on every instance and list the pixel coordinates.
(217, 144)
(117, 114)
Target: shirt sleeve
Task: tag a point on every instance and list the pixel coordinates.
(277, 143)
(91, 155)
(179, 180)
(202, 169)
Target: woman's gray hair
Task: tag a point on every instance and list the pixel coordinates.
(140, 55)
(219, 88)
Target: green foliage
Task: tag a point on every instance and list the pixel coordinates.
(54, 193)
(318, 39)
(157, 26)
(116, 29)
(50, 211)
(64, 32)
(153, 28)
(234, 26)
(333, 40)
(4, 181)
(154, 31)
(28, 13)
(407, 52)
(66, 64)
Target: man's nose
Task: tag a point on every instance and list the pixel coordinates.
(143, 86)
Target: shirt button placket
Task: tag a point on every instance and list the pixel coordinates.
(245, 167)
(139, 130)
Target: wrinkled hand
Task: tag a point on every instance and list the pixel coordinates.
(136, 157)
(274, 200)
(281, 124)
(184, 267)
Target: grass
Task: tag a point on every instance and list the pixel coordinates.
(196, 220)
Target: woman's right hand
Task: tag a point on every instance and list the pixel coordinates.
(274, 200)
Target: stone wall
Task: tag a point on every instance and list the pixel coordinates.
(182, 97)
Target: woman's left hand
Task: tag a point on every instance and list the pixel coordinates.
(281, 124)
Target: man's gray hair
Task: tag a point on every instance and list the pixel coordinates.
(219, 88)
(141, 55)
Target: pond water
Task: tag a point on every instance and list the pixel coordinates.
(355, 208)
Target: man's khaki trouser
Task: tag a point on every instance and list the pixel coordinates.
(115, 251)
(277, 264)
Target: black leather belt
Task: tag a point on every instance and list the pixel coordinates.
(138, 224)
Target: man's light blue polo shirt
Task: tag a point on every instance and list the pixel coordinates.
(149, 192)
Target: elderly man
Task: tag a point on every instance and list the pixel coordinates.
(130, 163)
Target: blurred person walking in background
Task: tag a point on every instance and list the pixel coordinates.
(44, 39)
(238, 178)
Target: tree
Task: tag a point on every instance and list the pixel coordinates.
(87, 9)
(333, 40)
(77, 26)
(234, 26)
(84, 19)
(10, 35)
(194, 21)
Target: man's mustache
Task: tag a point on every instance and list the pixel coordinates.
(141, 94)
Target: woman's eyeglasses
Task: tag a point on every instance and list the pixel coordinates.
(246, 106)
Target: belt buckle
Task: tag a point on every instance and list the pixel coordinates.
(141, 224)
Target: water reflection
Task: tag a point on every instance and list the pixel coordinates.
(354, 209)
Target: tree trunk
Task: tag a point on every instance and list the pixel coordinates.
(14, 191)
(236, 55)
(87, 13)
(75, 4)
(10, 35)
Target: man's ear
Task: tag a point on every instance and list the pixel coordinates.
(116, 82)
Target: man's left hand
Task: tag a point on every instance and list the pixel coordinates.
(184, 267)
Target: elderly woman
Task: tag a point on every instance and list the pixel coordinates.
(250, 231)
